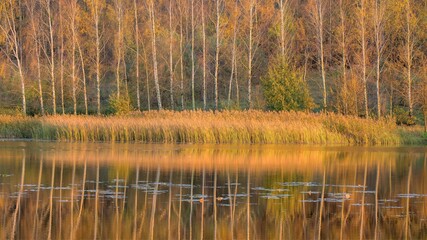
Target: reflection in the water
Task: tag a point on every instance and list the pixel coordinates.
(76, 191)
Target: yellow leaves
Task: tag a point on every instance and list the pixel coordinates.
(3, 68)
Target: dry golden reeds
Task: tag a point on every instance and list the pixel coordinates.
(209, 127)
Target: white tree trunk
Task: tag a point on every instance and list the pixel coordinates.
(409, 55)
(73, 9)
(98, 58)
(181, 49)
(61, 58)
(217, 52)
(344, 56)
(32, 16)
(204, 54)
(378, 47)
(147, 82)
(21, 76)
(320, 16)
(52, 55)
(11, 33)
(251, 6)
(84, 76)
(171, 69)
(154, 49)
(138, 96)
(119, 12)
(233, 54)
(363, 36)
(192, 57)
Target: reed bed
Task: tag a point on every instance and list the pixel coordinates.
(245, 127)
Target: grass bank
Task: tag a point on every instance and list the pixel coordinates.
(208, 127)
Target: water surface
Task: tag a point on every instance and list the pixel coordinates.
(137, 191)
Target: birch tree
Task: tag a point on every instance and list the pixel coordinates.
(47, 6)
(233, 74)
(204, 54)
(409, 44)
(192, 55)
(13, 50)
(138, 96)
(154, 53)
(217, 27)
(72, 20)
(363, 42)
(344, 55)
(97, 7)
(171, 68)
(285, 22)
(317, 13)
(379, 11)
(35, 24)
(181, 51)
(61, 54)
(119, 42)
(251, 23)
(83, 72)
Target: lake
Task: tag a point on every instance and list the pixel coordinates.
(147, 191)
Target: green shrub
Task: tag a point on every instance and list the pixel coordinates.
(119, 105)
(284, 89)
(403, 118)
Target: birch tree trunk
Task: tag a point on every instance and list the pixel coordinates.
(344, 57)
(147, 83)
(32, 16)
(251, 6)
(320, 28)
(73, 12)
(171, 69)
(10, 32)
(286, 34)
(119, 13)
(282, 29)
(138, 96)
(39, 77)
(192, 57)
(21, 76)
(98, 59)
(218, 2)
(181, 49)
(409, 55)
(154, 49)
(237, 83)
(61, 58)
(83, 76)
(233, 53)
(363, 40)
(204, 54)
(52, 55)
(378, 16)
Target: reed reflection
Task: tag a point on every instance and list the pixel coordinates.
(182, 192)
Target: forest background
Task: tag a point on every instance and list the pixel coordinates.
(361, 58)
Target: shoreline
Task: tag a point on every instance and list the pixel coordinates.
(227, 127)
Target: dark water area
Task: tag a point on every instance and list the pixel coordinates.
(140, 191)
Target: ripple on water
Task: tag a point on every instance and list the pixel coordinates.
(275, 196)
(270, 189)
(411, 195)
(300, 184)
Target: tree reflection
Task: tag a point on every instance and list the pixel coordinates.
(309, 194)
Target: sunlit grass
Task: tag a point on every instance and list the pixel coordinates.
(209, 127)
